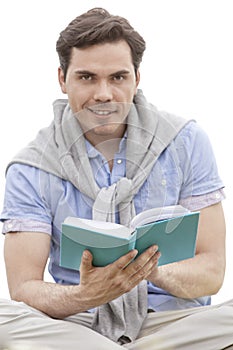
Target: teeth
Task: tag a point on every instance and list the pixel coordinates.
(102, 112)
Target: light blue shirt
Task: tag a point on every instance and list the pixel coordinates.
(185, 173)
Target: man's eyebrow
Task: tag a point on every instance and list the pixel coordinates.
(87, 72)
(83, 72)
(121, 72)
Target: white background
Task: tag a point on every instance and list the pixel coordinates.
(187, 69)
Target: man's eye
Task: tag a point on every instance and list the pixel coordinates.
(86, 77)
(118, 77)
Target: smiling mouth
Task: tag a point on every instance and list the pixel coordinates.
(101, 112)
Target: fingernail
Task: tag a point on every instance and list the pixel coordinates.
(85, 254)
(154, 249)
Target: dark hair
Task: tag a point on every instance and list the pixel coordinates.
(98, 26)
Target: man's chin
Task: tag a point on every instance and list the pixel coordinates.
(113, 129)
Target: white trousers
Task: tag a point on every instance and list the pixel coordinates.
(207, 328)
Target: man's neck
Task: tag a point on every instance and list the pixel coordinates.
(107, 145)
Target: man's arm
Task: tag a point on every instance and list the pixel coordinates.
(26, 255)
(204, 274)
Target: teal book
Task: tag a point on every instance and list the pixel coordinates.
(172, 228)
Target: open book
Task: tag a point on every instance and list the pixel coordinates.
(172, 228)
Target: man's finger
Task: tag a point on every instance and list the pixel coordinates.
(86, 262)
(125, 260)
(144, 259)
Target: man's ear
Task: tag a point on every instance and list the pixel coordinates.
(137, 77)
(137, 80)
(61, 79)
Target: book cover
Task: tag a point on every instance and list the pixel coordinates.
(175, 237)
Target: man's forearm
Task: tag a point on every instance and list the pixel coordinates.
(191, 278)
(55, 300)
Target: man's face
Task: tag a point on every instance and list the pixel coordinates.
(100, 85)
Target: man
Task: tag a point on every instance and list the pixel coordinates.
(107, 155)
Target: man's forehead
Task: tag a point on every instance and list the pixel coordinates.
(104, 59)
(103, 52)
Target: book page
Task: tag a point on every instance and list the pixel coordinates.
(156, 214)
(109, 228)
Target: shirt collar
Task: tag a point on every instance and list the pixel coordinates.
(92, 152)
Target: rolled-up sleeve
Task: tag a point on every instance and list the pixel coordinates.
(25, 206)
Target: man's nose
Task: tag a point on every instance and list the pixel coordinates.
(103, 92)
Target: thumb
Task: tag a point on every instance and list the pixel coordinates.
(86, 261)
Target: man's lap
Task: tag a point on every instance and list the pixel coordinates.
(26, 326)
(209, 327)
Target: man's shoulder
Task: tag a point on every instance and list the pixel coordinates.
(18, 170)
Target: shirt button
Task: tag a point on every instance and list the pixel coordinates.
(119, 161)
(163, 182)
(9, 226)
(217, 195)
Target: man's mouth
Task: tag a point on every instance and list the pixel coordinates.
(101, 112)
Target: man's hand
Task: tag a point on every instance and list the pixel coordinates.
(103, 284)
